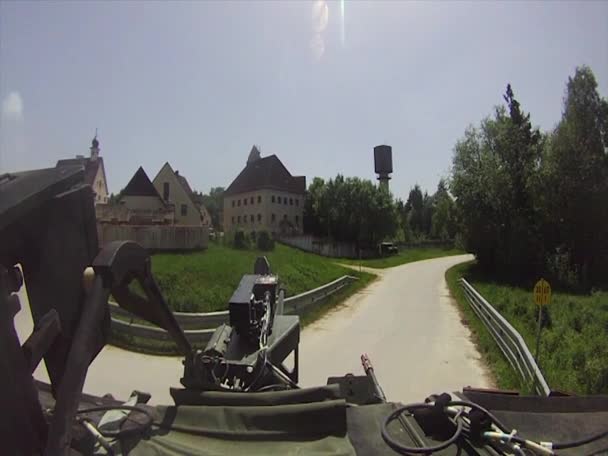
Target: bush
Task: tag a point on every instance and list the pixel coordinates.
(265, 241)
(240, 240)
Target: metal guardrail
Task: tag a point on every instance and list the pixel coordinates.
(199, 327)
(508, 339)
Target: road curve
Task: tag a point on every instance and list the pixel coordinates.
(410, 327)
(405, 321)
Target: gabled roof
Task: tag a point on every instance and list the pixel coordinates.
(90, 167)
(267, 172)
(140, 185)
(182, 181)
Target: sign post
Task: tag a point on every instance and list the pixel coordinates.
(542, 297)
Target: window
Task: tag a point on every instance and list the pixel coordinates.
(165, 191)
(251, 218)
(233, 219)
(273, 198)
(238, 203)
(260, 218)
(274, 217)
(232, 203)
(285, 217)
(259, 199)
(285, 200)
(291, 201)
(239, 219)
(245, 201)
(251, 200)
(297, 220)
(184, 209)
(279, 199)
(297, 202)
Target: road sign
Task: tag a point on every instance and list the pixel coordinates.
(542, 293)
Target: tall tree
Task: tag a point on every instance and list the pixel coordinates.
(577, 179)
(493, 179)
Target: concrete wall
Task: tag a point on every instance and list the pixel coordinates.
(323, 247)
(263, 207)
(156, 237)
(177, 196)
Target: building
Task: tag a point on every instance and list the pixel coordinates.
(94, 171)
(265, 196)
(139, 204)
(175, 190)
(142, 215)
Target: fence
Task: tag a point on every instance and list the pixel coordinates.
(199, 327)
(156, 237)
(508, 339)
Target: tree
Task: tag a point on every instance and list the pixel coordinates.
(213, 202)
(414, 208)
(493, 179)
(349, 209)
(443, 224)
(577, 179)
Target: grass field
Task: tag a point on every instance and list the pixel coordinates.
(405, 256)
(574, 341)
(204, 281)
(154, 347)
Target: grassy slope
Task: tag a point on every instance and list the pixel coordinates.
(405, 256)
(204, 281)
(574, 345)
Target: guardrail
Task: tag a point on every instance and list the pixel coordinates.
(508, 339)
(199, 327)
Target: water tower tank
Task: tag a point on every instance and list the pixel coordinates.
(383, 160)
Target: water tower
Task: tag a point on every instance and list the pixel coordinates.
(383, 164)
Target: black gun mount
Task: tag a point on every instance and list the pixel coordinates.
(249, 353)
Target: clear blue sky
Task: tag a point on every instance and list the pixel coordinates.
(319, 84)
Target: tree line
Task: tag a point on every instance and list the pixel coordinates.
(533, 203)
(350, 209)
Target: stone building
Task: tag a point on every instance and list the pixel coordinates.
(265, 197)
(94, 171)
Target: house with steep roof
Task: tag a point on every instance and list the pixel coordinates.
(265, 197)
(174, 189)
(139, 204)
(94, 171)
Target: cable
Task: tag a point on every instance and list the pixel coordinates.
(583, 441)
(499, 424)
(398, 447)
(121, 433)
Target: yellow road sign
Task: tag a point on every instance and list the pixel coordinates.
(542, 293)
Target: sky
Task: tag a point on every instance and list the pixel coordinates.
(317, 83)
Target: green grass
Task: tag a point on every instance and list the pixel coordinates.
(204, 281)
(315, 312)
(405, 256)
(574, 341)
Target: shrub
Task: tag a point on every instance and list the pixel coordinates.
(240, 240)
(265, 241)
